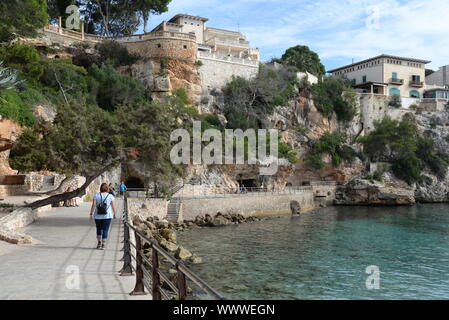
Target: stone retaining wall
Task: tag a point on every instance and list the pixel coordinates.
(246, 205)
(17, 219)
(12, 190)
(217, 73)
(148, 207)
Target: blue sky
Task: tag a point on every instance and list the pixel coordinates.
(338, 30)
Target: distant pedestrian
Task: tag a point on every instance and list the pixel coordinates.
(122, 188)
(103, 210)
(69, 202)
(111, 189)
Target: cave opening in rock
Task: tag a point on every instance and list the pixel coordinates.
(248, 183)
(134, 183)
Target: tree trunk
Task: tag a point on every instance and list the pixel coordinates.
(57, 190)
(81, 191)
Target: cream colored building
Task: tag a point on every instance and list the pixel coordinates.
(387, 75)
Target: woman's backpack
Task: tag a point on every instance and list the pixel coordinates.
(102, 207)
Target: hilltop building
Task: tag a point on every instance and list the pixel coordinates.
(387, 75)
(223, 43)
(220, 54)
(439, 78)
(223, 53)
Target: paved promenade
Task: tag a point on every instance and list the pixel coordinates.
(64, 246)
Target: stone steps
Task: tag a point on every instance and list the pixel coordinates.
(173, 209)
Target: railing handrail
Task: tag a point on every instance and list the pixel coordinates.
(183, 271)
(211, 192)
(130, 38)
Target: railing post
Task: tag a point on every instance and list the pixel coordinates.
(127, 268)
(139, 288)
(156, 278)
(60, 25)
(182, 285)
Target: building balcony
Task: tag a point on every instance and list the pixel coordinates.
(396, 81)
(228, 43)
(416, 84)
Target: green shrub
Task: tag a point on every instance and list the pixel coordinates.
(248, 103)
(116, 54)
(408, 168)
(434, 159)
(181, 96)
(314, 161)
(13, 107)
(210, 121)
(23, 58)
(333, 95)
(303, 59)
(398, 142)
(73, 79)
(115, 89)
(332, 144)
(28, 154)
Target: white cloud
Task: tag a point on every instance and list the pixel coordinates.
(336, 29)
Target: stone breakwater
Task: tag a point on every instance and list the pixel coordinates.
(164, 232)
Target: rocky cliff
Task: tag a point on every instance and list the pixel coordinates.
(9, 132)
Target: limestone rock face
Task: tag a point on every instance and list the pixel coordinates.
(45, 112)
(161, 84)
(434, 190)
(9, 133)
(362, 192)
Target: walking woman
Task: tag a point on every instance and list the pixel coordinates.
(103, 210)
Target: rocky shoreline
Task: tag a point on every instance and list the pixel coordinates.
(165, 233)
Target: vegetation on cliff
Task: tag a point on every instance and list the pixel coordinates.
(303, 59)
(248, 103)
(333, 145)
(21, 18)
(100, 115)
(399, 143)
(111, 17)
(333, 94)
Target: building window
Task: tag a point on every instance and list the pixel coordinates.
(185, 47)
(395, 92)
(394, 76)
(364, 79)
(415, 94)
(159, 45)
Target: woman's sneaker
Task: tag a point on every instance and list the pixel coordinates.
(103, 246)
(99, 245)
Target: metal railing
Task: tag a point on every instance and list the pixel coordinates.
(241, 192)
(396, 81)
(210, 192)
(138, 37)
(149, 274)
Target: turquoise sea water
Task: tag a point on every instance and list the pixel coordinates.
(324, 255)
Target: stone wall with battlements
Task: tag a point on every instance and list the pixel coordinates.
(164, 48)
